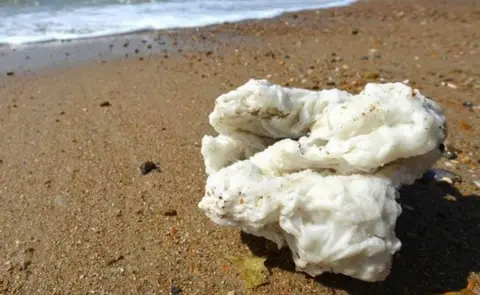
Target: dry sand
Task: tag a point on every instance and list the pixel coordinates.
(77, 217)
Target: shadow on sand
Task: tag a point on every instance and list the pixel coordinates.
(440, 238)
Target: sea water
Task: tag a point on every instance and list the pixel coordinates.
(30, 21)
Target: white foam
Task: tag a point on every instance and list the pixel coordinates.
(42, 24)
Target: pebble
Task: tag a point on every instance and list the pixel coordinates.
(450, 198)
(477, 183)
(170, 212)
(441, 175)
(449, 152)
(452, 86)
(174, 290)
(354, 32)
(10, 73)
(370, 75)
(450, 155)
(112, 261)
(147, 167)
(105, 104)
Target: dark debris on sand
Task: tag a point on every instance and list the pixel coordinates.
(148, 167)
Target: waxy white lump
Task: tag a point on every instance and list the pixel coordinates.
(318, 171)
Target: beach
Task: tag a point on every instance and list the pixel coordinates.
(78, 119)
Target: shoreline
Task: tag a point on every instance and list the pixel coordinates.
(78, 217)
(141, 44)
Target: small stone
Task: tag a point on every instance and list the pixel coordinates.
(112, 261)
(174, 290)
(477, 183)
(10, 73)
(441, 175)
(450, 198)
(370, 75)
(48, 183)
(452, 86)
(105, 104)
(270, 54)
(468, 104)
(148, 167)
(364, 57)
(354, 32)
(170, 212)
(450, 155)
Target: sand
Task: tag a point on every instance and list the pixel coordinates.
(77, 216)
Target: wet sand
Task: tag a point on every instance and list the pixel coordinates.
(77, 216)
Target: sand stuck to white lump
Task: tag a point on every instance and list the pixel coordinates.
(319, 171)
